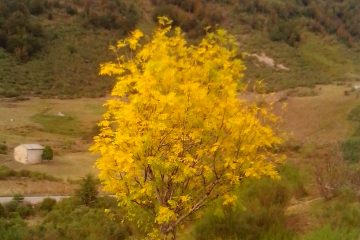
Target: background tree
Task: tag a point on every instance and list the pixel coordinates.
(175, 135)
(88, 190)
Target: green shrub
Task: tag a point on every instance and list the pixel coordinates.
(258, 214)
(71, 49)
(48, 153)
(351, 149)
(24, 173)
(50, 16)
(286, 32)
(11, 206)
(181, 18)
(25, 210)
(19, 34)
(328, 233)
(47, 204)
(11, 93)
(3, 148)
(354, 115)
(6, 172)
(69, 220)
(71, 10)
(13, 229)
(2, 211)
(88, 190)
(18, 198)
(36, 7)
(113, 15)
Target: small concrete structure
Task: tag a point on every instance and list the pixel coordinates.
(28, 153)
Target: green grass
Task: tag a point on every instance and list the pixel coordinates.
(317, 60)
(351, 146)
(329, 233)
(65, 125)
(354, 115)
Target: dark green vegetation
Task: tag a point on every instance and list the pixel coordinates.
(7, 173)
(284, 20)
(88, 190)
(54, 48)
(191, 15)
(3, 148)
(69, 219)
(256, 216)
(47, 154)
(351, 146)
(18, 34)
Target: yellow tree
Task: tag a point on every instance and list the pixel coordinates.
(175, 135)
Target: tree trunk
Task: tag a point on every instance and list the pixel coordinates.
(168, 232)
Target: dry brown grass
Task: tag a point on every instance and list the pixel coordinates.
(320, 119)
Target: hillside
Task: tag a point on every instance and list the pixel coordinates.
(53, 48)
(307, 52)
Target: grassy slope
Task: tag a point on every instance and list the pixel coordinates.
(318, 59)
(69, 63)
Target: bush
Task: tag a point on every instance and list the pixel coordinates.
(113, 15)
(18, 198)
(19, 35)
(2, 211)
(48, 153)
(13, 229)
(3, 148)
(71, 10)
(88, 190)
(286, 32)
(50, 16)
(351, 149)
(354, 115)
(71, 49)
(258, 214)
(47, 204)
(12, 93)
(25, 210)
(6, 172)
(11, 206)
(68, 220)
(329, 233)
(180, 18)
(36, 7)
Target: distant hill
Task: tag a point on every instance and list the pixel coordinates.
(53, 48)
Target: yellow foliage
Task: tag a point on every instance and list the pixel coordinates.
(229, 199)
(175, 134)
(165, 215)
